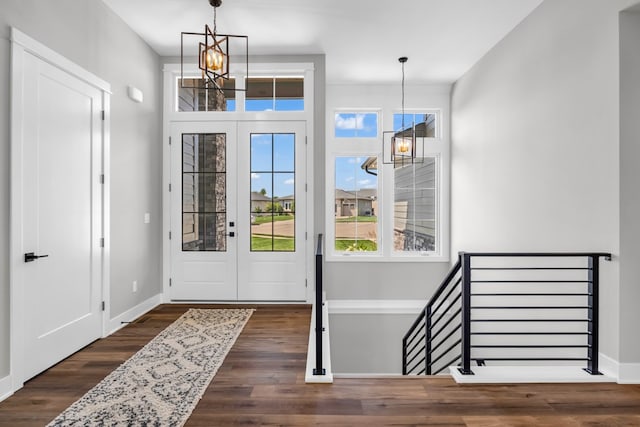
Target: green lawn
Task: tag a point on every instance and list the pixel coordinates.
(279, 244)
(265, 219)
(358, 219)
(356, 245)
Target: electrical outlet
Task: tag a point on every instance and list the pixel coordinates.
(135, 286)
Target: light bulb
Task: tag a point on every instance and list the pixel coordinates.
(214, 60)
(403, 145)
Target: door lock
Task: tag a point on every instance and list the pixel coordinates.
(30, 257)
(232, 224)
(232, 234)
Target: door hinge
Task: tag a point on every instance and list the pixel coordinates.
(102, 114)
(169, 281)
(102, 179)
(103, 305)
(169, 187)
(305, 283)
(305, 235)
(305, 187)
(306, 140)
(169, 235)
(169, 140)
(102, 242)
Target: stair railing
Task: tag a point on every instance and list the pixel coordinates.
(509, 307)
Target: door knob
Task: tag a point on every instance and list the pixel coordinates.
(30, 256)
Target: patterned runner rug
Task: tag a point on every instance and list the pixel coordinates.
(162, 383)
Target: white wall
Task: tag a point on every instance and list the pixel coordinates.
(367, 343)
(629, 186)
(535, 138)
(89, 34)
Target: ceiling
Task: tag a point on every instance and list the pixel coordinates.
(362, 39)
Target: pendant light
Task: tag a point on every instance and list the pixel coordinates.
(399, 146)
(214, 53)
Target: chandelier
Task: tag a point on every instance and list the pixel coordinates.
(214, 56)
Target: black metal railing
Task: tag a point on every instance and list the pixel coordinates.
(319, 329)
(430, 344)
(509, 307)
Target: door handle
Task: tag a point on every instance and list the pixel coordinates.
(30, 256)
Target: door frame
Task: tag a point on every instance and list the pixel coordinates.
(21, 44)
(170, 115)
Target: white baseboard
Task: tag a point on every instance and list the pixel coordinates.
(625, 373)
(527, 374)
(608, 366)
(133, 313)
(374, 306)
(629, 373)
(5, 387)
(369, 375)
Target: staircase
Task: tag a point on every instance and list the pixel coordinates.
(509, 309)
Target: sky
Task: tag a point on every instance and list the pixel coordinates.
(351, 177)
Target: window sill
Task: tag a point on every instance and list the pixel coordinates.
(380, 258)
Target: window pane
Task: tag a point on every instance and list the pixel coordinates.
(284, 152)
(415, 207)
(273, 192)
(425, 123)
(356, 204)
(203, 192)
(289, 94)
(353, 125)
(261, 152)
(275, 94)
(193, 96)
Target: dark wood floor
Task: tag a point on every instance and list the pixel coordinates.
(261, 383)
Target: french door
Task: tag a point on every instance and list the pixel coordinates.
(237, 211)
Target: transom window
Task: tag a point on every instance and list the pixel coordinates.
(193, 96)
(356, 124)
(275, 94)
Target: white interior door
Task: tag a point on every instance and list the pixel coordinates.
(272, 205)
(57, 206)
(203, 211)
(238, 205)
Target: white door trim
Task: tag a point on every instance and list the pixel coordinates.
(21, 44)
(171, 115)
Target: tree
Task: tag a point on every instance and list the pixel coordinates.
(263, 191)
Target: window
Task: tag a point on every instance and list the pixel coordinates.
(386, 211)
(356, 125)
(415, 226)
(193, 96)
(273, 212)
(204, 192)
(356, 205)
(275, 94)
(415, 206)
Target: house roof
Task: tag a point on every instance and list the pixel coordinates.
(365, 193)
(256, 196)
